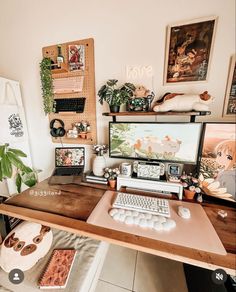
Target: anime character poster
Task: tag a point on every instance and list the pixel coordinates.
(188, 52)
(230, 97)
(218, 162)
(76, 57)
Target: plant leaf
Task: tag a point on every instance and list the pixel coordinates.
(0, 171)
(15, 160)
(29, 179)
(2, 149)
(27, 169)
(17, 152)
(18, 182)
(6, 166)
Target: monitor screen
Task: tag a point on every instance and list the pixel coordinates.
(166, 142)
(218, 161)
(69, 156)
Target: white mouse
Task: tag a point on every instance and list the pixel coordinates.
(184, 212)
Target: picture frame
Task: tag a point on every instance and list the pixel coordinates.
(189, 50)
(217, 169)
(229, 108)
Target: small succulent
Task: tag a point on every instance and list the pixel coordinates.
(190, 182)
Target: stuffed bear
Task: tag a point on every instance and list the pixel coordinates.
(183, 102)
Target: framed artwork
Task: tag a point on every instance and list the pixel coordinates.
(218, 161)
(188, 50)
(230, 94)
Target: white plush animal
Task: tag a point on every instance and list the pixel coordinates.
(24, 246)
(184, 102)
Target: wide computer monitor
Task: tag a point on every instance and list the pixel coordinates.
(165, 142)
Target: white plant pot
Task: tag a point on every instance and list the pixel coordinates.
(99, 164)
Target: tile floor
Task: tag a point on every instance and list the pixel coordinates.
(127, 270)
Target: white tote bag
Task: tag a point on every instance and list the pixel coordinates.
(12, 118)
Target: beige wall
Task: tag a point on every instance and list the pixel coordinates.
(130, 32)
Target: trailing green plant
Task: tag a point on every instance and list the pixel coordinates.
(114, 95)
(10, 159)
(47, 86)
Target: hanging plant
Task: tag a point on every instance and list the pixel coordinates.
(47, 86)
(10, 160)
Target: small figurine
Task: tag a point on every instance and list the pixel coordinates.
(183, 102)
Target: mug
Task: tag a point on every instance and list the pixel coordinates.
(125, 169)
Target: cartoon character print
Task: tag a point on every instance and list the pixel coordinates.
(15, 125)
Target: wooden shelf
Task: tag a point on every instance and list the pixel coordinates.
(63, 69)
(192, 114)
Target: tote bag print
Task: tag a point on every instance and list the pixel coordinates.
(11, 116)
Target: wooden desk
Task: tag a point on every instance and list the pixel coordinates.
(54, 206)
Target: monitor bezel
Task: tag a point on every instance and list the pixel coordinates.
(159, 160)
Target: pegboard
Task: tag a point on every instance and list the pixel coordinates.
(88, 91)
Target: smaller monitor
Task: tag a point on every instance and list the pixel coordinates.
(69, 156)
(218, 160)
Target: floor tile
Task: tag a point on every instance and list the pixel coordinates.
(119, 266)
(156, 274)
(107, 287)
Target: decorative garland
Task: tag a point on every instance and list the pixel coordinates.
(47, 86)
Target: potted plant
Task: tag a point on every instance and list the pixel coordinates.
(111, 175)
(10, 163)
(190, 185)
(115, 95)
(47, 86)
(99, 162)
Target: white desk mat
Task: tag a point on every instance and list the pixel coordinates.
(196, 232)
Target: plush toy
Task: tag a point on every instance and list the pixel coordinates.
(183, 102)
(141, 91)
(24, 246)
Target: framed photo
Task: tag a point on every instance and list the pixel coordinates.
(188, 50)
(218, 161)
(230, 95)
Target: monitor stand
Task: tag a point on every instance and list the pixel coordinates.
(152, 185)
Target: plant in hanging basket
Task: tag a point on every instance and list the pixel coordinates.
(115, 95)
(47, 86)
(11, 165)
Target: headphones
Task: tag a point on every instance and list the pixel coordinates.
(57, 132)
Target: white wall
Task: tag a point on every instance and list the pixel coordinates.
(130, 32)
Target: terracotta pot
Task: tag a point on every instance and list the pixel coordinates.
(83, 135)
(189, 194)
(112, 183)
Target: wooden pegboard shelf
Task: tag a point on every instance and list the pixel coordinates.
(88, 91)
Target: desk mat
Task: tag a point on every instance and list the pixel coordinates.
(196, 232)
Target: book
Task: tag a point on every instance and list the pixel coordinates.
(58, 269)
(76, 57)
(96, 181)
(91, 175)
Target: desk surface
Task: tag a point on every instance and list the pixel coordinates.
(67, 207)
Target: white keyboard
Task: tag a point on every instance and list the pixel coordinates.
(144, 204)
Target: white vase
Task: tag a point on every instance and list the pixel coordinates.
(99, 164)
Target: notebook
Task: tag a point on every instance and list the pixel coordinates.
(58, 270)
(69, 164)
